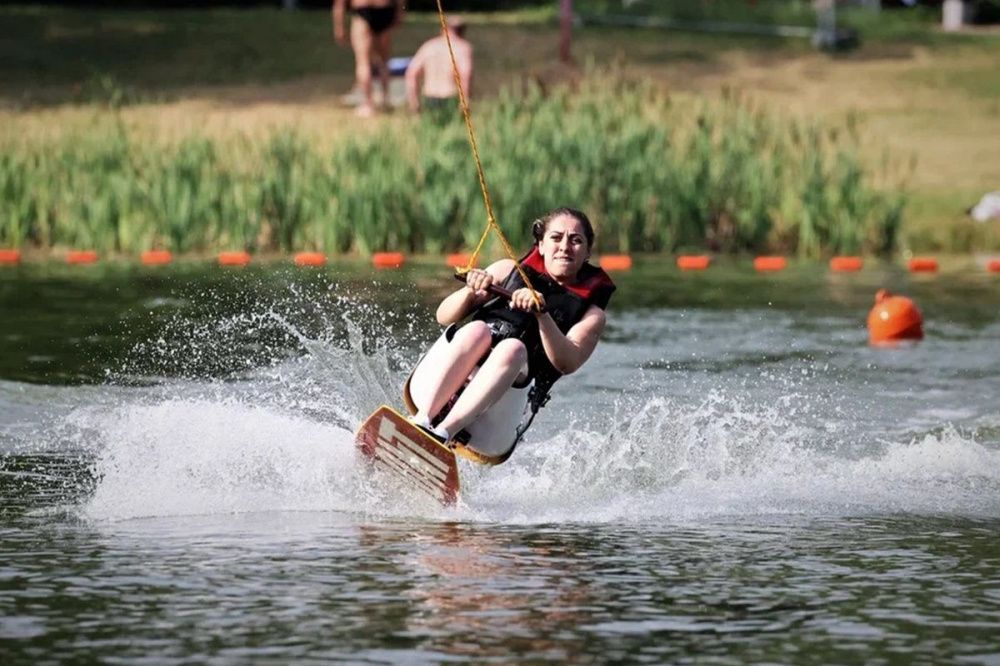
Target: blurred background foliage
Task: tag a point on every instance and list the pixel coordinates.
(655, 175)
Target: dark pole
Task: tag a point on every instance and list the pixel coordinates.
(566, 29)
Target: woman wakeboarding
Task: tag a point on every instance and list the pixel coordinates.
(481, 382)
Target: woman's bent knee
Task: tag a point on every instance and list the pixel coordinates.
(510, 352)
(475, 334)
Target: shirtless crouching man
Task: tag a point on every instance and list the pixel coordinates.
(432, 63)
(371, 29)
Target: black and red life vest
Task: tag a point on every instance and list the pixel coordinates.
(566, 305)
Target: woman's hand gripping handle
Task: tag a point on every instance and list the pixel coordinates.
(479, 281)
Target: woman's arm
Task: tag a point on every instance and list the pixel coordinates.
(570, 351)
(460, 303)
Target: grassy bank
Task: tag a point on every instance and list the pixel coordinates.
(229, 79)
(655, 175)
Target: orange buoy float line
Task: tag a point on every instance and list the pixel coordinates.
(616, 262)
(894, 318)
(156, 257)
(845, 264)
(236, 258)
(388, 259)
(993, 266)
(310, 259)
(693, 262)
(81, 257)
(457, 260)
(769, 264)
(10, 257)
(923, 265)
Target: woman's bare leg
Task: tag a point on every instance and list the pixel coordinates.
(361, 43)
(497, 374)
(446, 367)
(383, 47)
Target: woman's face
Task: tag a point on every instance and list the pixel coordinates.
(564, 247)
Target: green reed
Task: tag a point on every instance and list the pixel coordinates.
(655, 174)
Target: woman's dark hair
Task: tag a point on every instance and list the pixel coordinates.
(538, 226)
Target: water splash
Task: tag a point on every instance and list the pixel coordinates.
(250, 408)
(672, 462)
(188, 430)
(663, 461)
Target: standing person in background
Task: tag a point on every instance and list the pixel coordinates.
(432, 63)
(370, 38)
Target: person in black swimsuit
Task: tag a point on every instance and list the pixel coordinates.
(379, 19)
(371, 29)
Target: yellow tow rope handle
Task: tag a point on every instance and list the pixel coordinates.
(491, 222)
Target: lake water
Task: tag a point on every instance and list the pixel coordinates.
(734, 477)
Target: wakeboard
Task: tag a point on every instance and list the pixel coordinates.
(392, 443)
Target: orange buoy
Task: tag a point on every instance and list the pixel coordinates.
(156, 257)
(310, 259)
(10, 256)
(81, 257)
(616, 262)
(845, 264)
(388, 259)
(923, 265)
(894, 318)
(457, 260)
(236, 258)
(993, 265)
(693, 262)
(770, 264)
